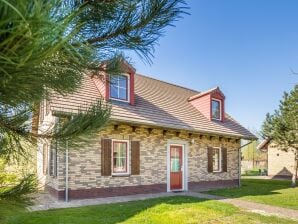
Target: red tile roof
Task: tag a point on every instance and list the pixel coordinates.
(157, 103)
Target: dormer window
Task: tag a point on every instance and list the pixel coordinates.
(216, 109)
(119, 87)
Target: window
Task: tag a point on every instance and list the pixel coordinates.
(41, 112)
(47, 107)
(53, 159)
(119, 87)
(216, 109)
(120, 157)
(216, 160)
(45, 159)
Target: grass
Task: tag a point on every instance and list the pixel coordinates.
(178, 209)
(254, 172)
(9, 208)
(270, 192)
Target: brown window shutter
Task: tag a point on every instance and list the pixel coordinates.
(135, 158)
(224, 162)
(106, 157)
(210, 159)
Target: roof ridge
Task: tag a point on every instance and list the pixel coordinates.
(209, 91)
(169, 83)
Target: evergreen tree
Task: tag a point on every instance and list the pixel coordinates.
(49, 46)
(282, 127)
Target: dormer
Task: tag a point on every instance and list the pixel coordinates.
(118, 87)
(210, 103)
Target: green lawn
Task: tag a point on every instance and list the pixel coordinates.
(10, 208)
(271, 192)
(178, 209)
(253, 172)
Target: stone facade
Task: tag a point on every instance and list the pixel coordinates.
(85, 179)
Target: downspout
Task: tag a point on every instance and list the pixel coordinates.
(239, 167)
(239, 162)
(66, 172)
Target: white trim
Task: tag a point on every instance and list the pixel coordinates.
(220, 109)
(184, 145)
(220, 160)
(128, 158)
(128, 89)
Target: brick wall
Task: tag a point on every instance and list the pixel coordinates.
(85, 161)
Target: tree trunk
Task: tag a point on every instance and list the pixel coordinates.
(294, 177)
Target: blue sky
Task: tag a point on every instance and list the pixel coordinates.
(247, 47)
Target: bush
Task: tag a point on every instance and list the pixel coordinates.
(13, 185)
(25, 186)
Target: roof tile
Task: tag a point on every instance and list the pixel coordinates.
(157, 103)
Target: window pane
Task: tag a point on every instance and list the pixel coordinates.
(175, 165)
(175, 160)
(114, 80)
(119, 157)
(51, 162)
(215, 159)
(45, 159)
(123, 81)
(114, 92)
(122, 94)
(119, 165)
(215, 109)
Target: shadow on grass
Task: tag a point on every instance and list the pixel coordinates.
(110, 214)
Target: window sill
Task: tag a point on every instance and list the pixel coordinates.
(119, 100)
(120, 175)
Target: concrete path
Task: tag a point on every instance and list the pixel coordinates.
(45, 202)
(252, 206)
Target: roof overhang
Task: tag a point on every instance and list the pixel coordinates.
(264, 144)
(132, 121)
(172, 127)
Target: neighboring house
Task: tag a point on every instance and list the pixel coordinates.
(161, 137)
(280, 163)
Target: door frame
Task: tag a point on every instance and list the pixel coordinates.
(184, 145)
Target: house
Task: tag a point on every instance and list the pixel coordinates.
(161, 138)
(280, 163)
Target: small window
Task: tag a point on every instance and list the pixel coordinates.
(216, 160)
(119, 87)
(47, 107)
(45, 159)
(120, 157)
(41, 112)
(216, 109)
(53, 159)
